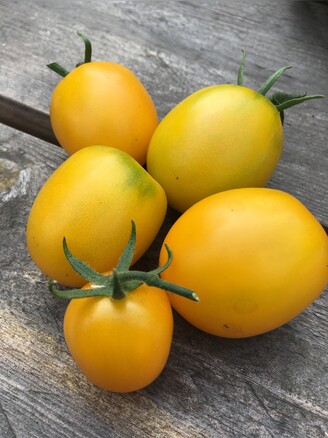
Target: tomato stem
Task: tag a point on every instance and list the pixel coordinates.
(117, 291)
(57, 68)
(240, 77)
(121, 280)
(87, 49)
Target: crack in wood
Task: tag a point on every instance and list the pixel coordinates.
(10, 428)
(26, 119)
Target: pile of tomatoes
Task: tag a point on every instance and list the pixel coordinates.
(255, 257)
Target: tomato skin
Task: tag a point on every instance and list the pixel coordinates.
(91, 200)
(256, 257)
(221, 137)
(123, 345)
(103, 103)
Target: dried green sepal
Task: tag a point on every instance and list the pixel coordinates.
(281, 100)
(121, 280)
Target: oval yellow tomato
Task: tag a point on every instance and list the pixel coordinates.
(120, 345)
(103, 103)
(219, 138)
(256, 257)
(91, 199)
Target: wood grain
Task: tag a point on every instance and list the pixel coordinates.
(274, 385)
(176, 47)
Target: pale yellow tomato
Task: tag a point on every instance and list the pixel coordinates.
(219, 138)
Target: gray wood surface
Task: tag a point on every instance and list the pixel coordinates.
(274, 385)
(176, 47)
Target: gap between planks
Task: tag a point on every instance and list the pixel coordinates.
(26, 119)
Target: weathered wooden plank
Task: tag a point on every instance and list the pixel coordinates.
(26, 119)
(176, 47)
(274, 385)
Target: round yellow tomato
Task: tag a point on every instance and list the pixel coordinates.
(120, 345)
(103, 103)
(91, 199)
(219, 138)
(256, 257)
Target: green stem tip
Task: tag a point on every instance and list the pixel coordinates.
(57, 68)
(273, 79)
(240, 77)
(87, 49)
(121, 280)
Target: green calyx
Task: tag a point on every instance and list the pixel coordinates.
(121, 280)
(281, 100)
(57, 68)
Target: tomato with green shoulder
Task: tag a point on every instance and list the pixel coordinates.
(91, 199)
(219, 138)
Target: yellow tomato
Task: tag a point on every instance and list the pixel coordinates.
(219, 138)
(91, 199)
(256, 257)
(103, 103)
(120, 345)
